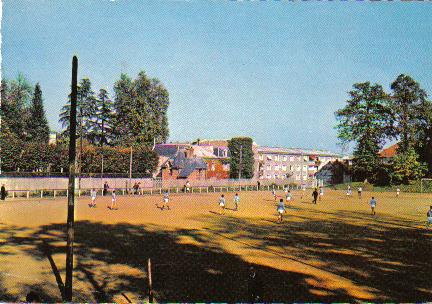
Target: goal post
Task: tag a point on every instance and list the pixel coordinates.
(426, 185)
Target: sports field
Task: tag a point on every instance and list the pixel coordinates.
(333, 251)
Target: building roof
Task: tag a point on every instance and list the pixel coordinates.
(296, 151)
(389, 152)
(169, 150)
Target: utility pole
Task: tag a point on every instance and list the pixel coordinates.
(241, 159)
(71, 186)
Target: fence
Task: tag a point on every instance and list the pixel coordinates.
(54, 193)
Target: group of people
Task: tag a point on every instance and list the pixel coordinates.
(222, 203)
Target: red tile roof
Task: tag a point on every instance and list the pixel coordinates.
(389, 152)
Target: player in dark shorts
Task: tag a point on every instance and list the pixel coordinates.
(315, 195)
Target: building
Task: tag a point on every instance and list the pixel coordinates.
(388, 153)
(192, 161)
(292, 164)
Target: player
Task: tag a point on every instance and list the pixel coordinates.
(222, 203)
(348, 192)
(321, 193)
(288, 196)
(397, 192)
(359, 192)
(373, 205)
(165, 202)
(236, 201)
(303, 187)
(274, 193)
(315, 195)
(187, 187)
(113, 200)
(429, 217)
(93, 198)
(280, 210)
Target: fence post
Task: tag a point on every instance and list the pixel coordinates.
(79, 193)
(13, 194)
(176, 189)
(123, 191)
(207, 189)
(150, 283)
(160, 190)
(41, 193)
(151, 191)
(55, 193)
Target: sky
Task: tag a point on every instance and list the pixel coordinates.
(272, 70)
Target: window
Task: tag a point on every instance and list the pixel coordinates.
(276, 168)
(276, 158)
(305, 177)
(269, 157)
(268, 176)
(276, 176)
(297, 177)
(284, 168)
(298, 168)
(213, 167)
(291, 158)
(285, 158)
(291, 168)
(305, 167)
(268, 168)
(261, 157)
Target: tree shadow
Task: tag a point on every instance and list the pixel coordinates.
(388, 254)
(112, 260)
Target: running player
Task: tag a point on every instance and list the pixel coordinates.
(236, 201)
(397, 192)
(321, 193)
(165, 202)
(222, 203)
(303, 187)
(274, 193)
(93, 198)
(113, 201)
(359, 192)
(373, 205)
(288, 196)
(315, 195)
(280, 210)
(429, 217)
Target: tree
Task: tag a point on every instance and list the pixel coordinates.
(11, 149)
(366, 120)
(15, 99)
(37, 124)
(408, 102)
(102, 123)
(242, 157)
(406, 167)
(141, 110)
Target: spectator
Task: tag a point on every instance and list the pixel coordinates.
(3, 193)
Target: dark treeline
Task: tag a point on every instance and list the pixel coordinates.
(373, 117)
(107, 128)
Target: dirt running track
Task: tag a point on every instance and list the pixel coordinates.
(333, 251)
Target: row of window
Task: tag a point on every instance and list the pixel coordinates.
(284, 168)
(276, 176)
(291, 158)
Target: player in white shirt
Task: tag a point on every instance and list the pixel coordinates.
(93, 197)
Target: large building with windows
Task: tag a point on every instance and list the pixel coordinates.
(291, 164)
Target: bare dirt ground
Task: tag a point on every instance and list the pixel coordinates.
(333, 251)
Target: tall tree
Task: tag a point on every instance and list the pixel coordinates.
(15, 99)
(141, 110)
(408, 102)
(242, 157)
(366, 120)
(37, 124)
(102, 123)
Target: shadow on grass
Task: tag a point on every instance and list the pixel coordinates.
(384, 252)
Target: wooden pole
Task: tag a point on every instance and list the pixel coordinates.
(71, 188)
(150, 282)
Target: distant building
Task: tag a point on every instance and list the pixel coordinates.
(292, 164)
(388, 153)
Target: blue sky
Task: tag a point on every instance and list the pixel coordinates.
(273, 70)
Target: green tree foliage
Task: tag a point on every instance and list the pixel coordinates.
(366, 120)
(102, 123)
(243, 144)
(409, 104)
(11, 149)
(38, 129)
(141, 110)
(15, 100)
(406, 166)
